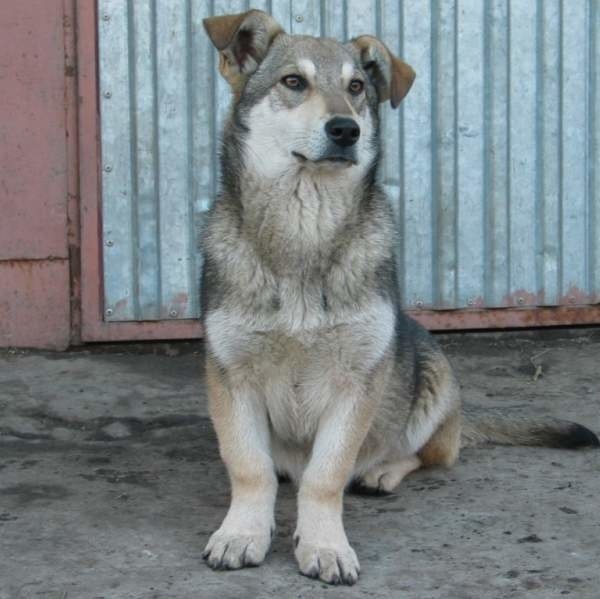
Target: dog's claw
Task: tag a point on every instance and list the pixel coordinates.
(312, 573)
(231, 552)
(334, 566)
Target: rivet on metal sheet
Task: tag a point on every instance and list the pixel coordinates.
(108, 94)
(110, 243)
(173, 313)
(108, 168)
(106, 17)
(109, 312)
(419, 303)
(520, 300)
(299, 18)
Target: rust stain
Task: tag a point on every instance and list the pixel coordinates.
(476, 302)
(27, 263)
(75, 295)
(72, 143)
(177, 306)
(120, 305)
(522, 298)
(507, 318)
(181, 299)
(577, 297)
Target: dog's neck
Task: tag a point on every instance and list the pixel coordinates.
(294, 218)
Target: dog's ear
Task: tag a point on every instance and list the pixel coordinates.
(243, 41)
(391, 77)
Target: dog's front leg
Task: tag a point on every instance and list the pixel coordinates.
(322, 548)
(240, 420)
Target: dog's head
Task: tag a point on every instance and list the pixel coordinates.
(306, 101)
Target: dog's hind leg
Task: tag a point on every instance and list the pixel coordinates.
(444, 445)
(385, 476)
(242, 428)
(440, 450)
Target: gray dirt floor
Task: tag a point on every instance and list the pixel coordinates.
(110, 484)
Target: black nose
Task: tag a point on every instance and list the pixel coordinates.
(342, 131)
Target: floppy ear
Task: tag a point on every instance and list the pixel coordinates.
(243, 41)
(391, 77)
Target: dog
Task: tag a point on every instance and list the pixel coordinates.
(313, 371)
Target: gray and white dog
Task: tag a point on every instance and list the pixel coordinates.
(312, 369)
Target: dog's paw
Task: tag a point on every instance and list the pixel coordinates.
(226, 551)
(331, 564)
(381, 481)
(383, 478)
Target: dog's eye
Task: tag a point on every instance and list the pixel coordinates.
(294, 82)
(356, 86)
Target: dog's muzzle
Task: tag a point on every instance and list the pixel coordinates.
(333, 154)
(342, 134)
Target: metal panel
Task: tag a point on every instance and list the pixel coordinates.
(490, 163)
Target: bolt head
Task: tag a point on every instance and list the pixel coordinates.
(110, 243)
(109, 312)
(108, 94)
(173, 313)
(106, 17)
(299, 18)
(520, 300)
(108, 168)
(419, 303)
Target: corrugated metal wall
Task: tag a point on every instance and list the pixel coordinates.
(494, 152)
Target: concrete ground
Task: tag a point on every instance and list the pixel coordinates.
(110, 484)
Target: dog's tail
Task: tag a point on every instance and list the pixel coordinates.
(500, 426)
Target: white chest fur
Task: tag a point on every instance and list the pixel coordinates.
(296, 369)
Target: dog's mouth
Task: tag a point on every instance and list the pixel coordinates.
(329, 158)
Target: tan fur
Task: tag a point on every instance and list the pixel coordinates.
(247, 477)
(338, 105)
(401, 75)
(222, 29)
(244, 537)
(444, 445)
(235, 63)
(387, 475)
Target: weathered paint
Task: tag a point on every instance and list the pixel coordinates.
(71, 101)
(34, 256)
(507, 318)
(34, 303)
(490, 162)
(32, 131)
